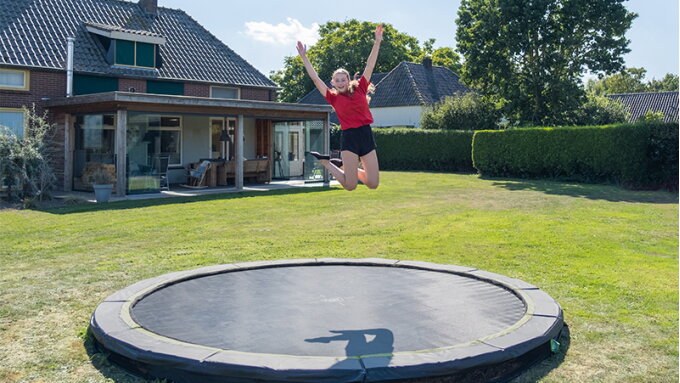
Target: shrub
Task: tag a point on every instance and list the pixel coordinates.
(662, 153)
(652, 116)
(25, 162)
(625, 153)
(600, 110)
(468, 111)
(418, 149)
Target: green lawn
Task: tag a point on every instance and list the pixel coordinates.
(609, 256)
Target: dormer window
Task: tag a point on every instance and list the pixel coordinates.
(126, 47)
(134, 53)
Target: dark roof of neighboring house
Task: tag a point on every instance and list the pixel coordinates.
(33, 34)
(639, 103)
(416, 84)
(407, 84)
(315, 97)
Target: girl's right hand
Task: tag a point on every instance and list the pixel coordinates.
(302, 49)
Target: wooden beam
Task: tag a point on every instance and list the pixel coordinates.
(69, 140)
(121, 152)
(238, 148)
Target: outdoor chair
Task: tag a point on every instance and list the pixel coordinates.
(160, 169)
(196, 176)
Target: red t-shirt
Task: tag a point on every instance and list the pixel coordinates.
(352, 110)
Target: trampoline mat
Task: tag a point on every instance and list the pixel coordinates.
(330, 310)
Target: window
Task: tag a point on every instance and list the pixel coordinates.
(84, 84)
(135, 53)
(14, 79)
(165, 87)
(14, 120)
(222, 92)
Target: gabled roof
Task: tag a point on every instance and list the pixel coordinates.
(639, 103)
(33, 34)
(408, 84)
(315, 97)
(416, 84)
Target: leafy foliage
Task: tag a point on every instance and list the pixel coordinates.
(601, 110)
(468, 111)
(632, 154)
(444, 56)
(418, 149)
(631, 80)
(347, 45)
(533, 53)
(25, 162)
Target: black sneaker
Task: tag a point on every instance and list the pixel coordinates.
(336, 161)
(320, 156)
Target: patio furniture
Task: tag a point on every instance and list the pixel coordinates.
(160, 169)
(196, 177)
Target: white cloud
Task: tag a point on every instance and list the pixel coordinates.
(283, 34)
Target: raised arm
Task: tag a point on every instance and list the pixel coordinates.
(373, 57)
(320, 85)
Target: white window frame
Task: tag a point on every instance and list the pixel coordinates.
(27, 80)
(17, 110)
(238, 92)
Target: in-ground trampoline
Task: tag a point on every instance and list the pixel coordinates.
(328, 320)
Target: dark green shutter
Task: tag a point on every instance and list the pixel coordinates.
(164, 87)
(83, 84)
(125, 52)
(145, 55)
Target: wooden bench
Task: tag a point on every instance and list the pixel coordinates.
(254, 169)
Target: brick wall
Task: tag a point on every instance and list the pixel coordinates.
(124, 85)
(43, 84)
(256, 94)
(196, 90)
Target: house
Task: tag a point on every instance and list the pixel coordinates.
(639, 104)
(402, 95)
(127, 83)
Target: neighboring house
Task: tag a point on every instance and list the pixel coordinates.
(147, 82)
(402, 95)
(639, 104)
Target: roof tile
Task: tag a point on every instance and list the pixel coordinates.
(34, 34)
(640, 103)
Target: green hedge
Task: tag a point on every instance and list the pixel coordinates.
(631, 154)
(418, 149)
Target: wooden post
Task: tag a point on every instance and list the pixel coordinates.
(326, 146)
(69, 140)
(121, 152)
(238, 148)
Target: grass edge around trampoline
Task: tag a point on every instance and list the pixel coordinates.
(607, 255)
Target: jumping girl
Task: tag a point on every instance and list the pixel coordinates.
(349, 99)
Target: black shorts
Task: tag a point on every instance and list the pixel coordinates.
(358, 140)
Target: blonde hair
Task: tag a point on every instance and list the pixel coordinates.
(353, 84)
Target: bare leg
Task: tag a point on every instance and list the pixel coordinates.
(370, 175)
(348, 175)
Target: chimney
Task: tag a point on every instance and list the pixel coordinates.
(427, 63)
(150, 7)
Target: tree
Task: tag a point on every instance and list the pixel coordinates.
(468, 111)
(631, 80)
(443, 56)
(532, 53)
(344, 45)
(669, 83)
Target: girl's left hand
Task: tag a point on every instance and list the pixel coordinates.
(378, 33)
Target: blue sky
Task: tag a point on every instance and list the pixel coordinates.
(264, 31)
